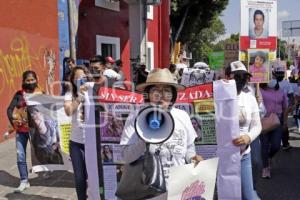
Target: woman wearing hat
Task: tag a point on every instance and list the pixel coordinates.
(161, 89)
(250, 126)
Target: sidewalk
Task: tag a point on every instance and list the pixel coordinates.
(59, 186)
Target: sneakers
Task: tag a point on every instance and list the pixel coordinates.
(266, 173)
(23, 186)
(286, 147)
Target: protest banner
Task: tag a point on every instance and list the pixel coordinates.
(258, 24)
(49, 132)
(196, 76)
(188, 182)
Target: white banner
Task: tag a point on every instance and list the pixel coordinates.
(189, 182)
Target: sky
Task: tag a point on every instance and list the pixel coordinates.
(286, 10)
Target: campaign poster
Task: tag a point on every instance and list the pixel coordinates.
(49, 129)
(258, 24)
(258, 65)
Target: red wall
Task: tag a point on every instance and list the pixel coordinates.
(100, 21)
(29, 39)
(158, 32)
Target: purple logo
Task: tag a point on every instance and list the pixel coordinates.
(194, 191)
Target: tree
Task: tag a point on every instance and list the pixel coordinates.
(220, 46)
(281, 49)
(201, 44)
(191, 16)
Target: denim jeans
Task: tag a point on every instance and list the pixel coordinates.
(80, 173)
(21, 145)
(270, 145)
(256, 160)
(248, 192)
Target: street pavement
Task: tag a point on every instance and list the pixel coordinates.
(59, 186)
(284, 184)
(285, 172)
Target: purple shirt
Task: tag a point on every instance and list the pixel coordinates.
(274, 101)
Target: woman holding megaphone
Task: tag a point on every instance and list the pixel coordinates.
(160, 90)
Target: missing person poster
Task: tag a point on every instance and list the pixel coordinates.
(258, 65)
(258, 24)
(49, 132)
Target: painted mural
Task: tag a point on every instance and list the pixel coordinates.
(27, 42)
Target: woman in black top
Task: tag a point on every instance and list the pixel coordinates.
(17, 115)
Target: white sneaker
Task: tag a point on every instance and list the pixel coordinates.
(23, 186)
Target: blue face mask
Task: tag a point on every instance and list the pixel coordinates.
(272, 83)
(80, 82)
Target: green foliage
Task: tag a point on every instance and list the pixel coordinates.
(199, 15)
(220, 46)
(197, 24)
(201, 43)
(281, 49)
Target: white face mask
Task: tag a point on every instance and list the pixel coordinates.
(272, 83)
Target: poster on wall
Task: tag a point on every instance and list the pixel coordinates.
(258, 24)
(258, 65)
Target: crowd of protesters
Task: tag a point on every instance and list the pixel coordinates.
(279, 97)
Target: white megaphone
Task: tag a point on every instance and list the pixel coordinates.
(154, 125)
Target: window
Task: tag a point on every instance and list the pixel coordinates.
(108, 4)
(150, 12)
(108, 46)
(150, 56)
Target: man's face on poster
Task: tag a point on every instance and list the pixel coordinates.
(259, 21)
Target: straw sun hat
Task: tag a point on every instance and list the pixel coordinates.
(160, 77)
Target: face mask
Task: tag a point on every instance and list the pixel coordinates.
(95, 72)
(29, 86)
(80, 82)
(280, 78)
(240, 82)
(272, 83)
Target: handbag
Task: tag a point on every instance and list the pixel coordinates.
(270, 123)
(143, 178)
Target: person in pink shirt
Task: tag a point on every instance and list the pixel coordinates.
(276, 102)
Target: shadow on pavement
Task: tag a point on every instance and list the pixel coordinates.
(22, 196)
(56, 179)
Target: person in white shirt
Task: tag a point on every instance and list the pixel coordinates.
(161, 89)
(74, 107)
(111, 75)
(250, 126)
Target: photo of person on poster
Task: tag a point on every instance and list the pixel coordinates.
(198, 128)
(258, 66)
(107, 154)
(112, 127)
(258, 24)
(44, 137)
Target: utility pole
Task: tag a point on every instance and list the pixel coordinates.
(73, 25)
